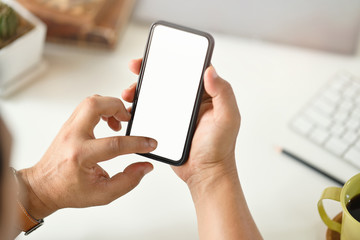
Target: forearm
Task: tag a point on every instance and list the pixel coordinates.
(35, 207)
(30, 208)
(221, 209)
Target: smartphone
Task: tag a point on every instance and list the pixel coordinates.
(169, 90)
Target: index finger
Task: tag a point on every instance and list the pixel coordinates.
(129, 93)
(135, 65)
(89, 112)
(102, 149)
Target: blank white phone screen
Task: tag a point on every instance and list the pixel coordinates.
(168, 91)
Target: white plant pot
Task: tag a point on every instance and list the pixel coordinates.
(20, 57)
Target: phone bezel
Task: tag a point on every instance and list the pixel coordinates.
(194, 115)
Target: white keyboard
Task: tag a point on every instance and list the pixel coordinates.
(332, 118)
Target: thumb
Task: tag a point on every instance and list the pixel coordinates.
(103, 149)
(125, 181)
(222, 94)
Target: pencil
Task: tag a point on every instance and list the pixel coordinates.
(300, 160)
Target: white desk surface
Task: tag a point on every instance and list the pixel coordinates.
(271, 83)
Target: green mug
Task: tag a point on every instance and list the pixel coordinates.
(349, 229)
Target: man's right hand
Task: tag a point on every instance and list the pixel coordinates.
(213, 144)
(68, 175)
(210, 171)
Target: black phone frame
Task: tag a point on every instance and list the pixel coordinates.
(194, 116)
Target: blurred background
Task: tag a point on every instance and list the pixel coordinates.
(276, 54)
(328, 25)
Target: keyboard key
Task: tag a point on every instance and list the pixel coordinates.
(346, 106)
(325, 107)
(319, 135)
(355, 83)
(318, 118)
(340, 117)
(350, 92)
(355, 113)
(336, 146)
(336, 86)
(352, 124)
(331, 96)
(357, 99)
(338, 83)
(350, 137)
(353, 156)
(337, 130)
(302, 125)
(332, 120)
(357, 144)
(343, 77)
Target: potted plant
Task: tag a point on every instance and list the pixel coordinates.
(22, 37)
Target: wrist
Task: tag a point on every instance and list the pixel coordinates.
(28, 197)
(221, 207)
(208, 180)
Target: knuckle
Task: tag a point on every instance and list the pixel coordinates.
(116, 144)
(105, 197)
(72, 151)
(234, 115)
(111, 196)
(133, 182)
(108, 200)
(72, 159)
(238, 120)
(92, 101)
(119, 106)
(74, 155)
(140, 144)
(120, 103)
(65, 134)
(227, 88)
(128, 145)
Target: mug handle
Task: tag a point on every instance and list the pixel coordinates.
(332, 193)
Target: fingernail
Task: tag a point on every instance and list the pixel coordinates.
(214, 74)
(148, 169)
(132, 85)
(152, 143)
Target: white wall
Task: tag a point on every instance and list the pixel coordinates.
(324, 24)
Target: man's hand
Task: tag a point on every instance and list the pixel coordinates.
(213, 144)
(210, 171)
(68, 175)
